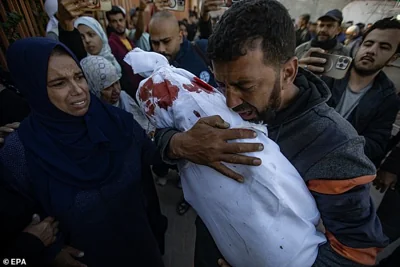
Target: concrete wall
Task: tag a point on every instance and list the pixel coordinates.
(315, 8)
(357, 11)
(369, 11)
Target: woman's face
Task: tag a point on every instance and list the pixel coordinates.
(66, 85)
(111, 94)
(91, 40)
(184, 31)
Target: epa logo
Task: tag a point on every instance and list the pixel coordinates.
(204, 76)
(14, 262)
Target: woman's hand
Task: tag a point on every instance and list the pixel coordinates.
(223, 263)
(6, 130)
(45, 230)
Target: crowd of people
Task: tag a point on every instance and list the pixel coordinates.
(78, 151)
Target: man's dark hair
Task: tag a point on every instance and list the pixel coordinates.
(247, 22)
(384, 24)
(306, 17)
(114, 11)
(361, 26)
(182, 23)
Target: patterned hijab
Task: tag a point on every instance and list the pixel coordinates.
(105, 50)
(100, 73)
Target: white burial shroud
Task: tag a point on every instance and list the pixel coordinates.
(270, 219)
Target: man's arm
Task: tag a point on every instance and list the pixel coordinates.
(205, 26)
(340, 184)
(141, 20)
(68, 35)
(206, 144)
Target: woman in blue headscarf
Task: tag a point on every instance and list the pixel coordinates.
(79, 159)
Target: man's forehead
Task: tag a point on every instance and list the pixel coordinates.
(243, 69)
(166, 26)
(326, 21)
(116, 16)
(391, 36)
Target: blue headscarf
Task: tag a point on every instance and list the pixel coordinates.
(65, 153)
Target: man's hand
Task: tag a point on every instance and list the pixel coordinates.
(46, 230)
(6, 130)
(210, 5)
(385, 180)
(206, 143)
(308, 62)
(161, 5)
(68, 11)
(66, 258)
(223, 263)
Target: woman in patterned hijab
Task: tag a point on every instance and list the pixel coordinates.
(103, 81)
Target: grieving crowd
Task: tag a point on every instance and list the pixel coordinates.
(80, 157)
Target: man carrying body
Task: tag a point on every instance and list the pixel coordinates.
(256, 68)
(366, 97)
(328, 27)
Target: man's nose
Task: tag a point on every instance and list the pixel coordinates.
(161, 48)
(372, 49)
(232, 98)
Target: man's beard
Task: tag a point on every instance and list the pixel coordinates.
(269, 113)
(121, 32)
(368, 72)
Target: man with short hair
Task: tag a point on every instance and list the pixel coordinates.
(302, 34)
(366, 97)
(119, 42)
(167, 39)
(312, 29)
(328, 27)
(255, 66)
(353, 39)
(120, 45)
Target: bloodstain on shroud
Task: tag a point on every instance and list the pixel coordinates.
(166, 93)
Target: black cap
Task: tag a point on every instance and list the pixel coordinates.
(334, 14)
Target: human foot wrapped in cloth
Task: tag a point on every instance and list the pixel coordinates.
(270, 219)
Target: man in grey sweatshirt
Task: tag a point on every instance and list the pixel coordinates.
(252, 50)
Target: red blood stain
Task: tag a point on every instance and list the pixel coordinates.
(145, 90)
(195, 112)
(198, 86)
(164, 93)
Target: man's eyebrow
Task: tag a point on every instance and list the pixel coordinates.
(243, 82)
(386, 43)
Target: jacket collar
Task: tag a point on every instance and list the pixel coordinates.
(184, 48)
(381, 84)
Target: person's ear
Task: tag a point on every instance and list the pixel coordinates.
(180, 36)
(289, 71)
(393, 58)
